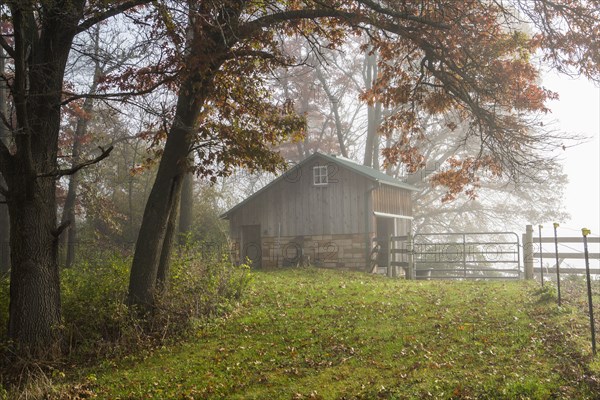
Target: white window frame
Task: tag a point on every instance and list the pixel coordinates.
(320, 175)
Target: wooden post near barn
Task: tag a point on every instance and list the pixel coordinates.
(540, 251)
(411, 261)
(528, 251)
(390, 258)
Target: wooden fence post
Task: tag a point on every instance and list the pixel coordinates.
(390, 273)
(540, 251)
(528, 251)
(411, 261)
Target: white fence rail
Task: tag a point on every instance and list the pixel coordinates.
(533, 250)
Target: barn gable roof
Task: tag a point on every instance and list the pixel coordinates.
(368, 172)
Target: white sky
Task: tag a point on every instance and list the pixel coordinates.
(578, 112)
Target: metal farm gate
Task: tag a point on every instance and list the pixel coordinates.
(472, 255)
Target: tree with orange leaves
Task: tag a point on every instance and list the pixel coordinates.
(435, 57)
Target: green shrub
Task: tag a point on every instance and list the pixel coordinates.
(99, 324)
(203, 284)
(95, 317)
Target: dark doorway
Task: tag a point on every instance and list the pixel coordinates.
(251, 245)
(385, 229)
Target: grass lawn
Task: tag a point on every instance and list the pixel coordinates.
(320, 334)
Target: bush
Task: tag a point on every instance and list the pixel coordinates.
(95, 317)
(97, 323)
(203, 285)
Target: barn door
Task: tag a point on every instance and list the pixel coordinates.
(385, 229)
(251, 245)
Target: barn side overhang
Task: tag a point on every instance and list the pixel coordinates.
(388, 215)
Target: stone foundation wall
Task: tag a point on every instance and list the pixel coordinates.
(330, 251)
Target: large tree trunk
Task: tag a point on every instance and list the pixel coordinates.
(40, 56)
(371, 158)
(4, 234)
(4, 219)
(210, 43)
(163, 197)
(35, 312)
(164, 266)
(149, 245)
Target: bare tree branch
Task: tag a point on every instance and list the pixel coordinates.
(73, 97)
(252, 27)
(6, 47)
(71, 171)
(5, 155)
(59, 229)
(111, 12)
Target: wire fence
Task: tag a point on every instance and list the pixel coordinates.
(580, 292)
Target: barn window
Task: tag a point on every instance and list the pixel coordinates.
(320, 175)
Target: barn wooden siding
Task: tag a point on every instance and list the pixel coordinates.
(392, 200)
(293, 206)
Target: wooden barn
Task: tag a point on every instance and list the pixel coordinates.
(326, 210)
